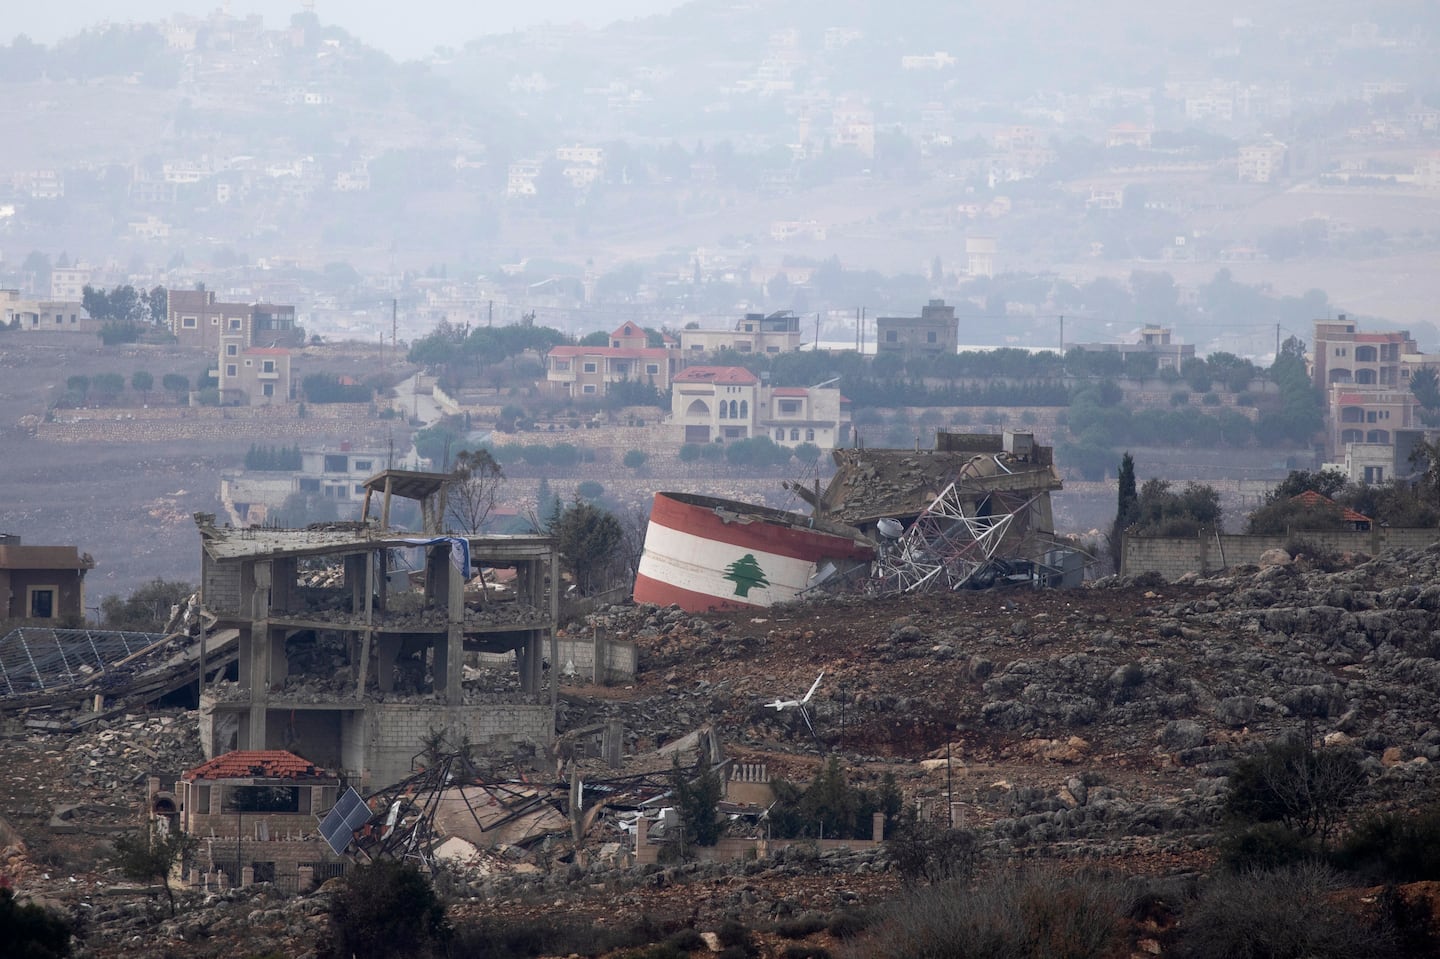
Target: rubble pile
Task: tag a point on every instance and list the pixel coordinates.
(114, 755)
(415, 616)
(1097, 725)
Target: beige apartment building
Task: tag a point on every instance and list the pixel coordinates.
(726, 403)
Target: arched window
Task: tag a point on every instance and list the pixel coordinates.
(809, 436)
(698, 408)
(734, 410)
(1352, 436)
(744, 409)
(724, 410)
(779, 435)
(1377, 436)
(1340, 375)
(1365, 376)
(1365, 354)
(795, 435)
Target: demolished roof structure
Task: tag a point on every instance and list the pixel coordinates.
(80, 675)
(974, 511)
(874, 484)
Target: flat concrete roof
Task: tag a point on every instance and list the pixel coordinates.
(230, 543)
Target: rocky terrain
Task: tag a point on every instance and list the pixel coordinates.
(1088, 728)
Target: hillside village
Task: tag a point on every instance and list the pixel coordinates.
(768, 480)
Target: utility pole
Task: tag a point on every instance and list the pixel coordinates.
(949, 788)
(1277, 341)
(1062, 334)
(394, 328)
(816, 346)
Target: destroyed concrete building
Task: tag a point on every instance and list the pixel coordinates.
(352, 640)
(874, 484)
(974, 511)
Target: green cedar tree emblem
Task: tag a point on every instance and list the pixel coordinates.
(746, 573)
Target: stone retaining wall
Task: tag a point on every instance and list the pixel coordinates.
(240, 423)
(1174, 556)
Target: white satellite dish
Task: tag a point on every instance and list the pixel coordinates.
(890, 528)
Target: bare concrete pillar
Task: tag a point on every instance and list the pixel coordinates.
(877, 827)
(612, 743)
(387, 650)
(643, 852)
(305, 879)
(262, 658)
(357, 581)
(247, 876)
(448, 660)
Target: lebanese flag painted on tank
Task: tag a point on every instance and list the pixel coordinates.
(703, 553)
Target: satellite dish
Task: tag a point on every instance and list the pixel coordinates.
(890, 528)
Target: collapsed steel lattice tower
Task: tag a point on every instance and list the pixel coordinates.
(946, 548)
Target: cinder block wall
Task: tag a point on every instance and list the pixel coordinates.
(619, 664)
(397, 732)
(1174, 556)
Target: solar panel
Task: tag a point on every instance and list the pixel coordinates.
(38, 659)
(347, 815)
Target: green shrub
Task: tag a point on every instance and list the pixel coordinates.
(801, 926)
(31, 930)
(847, 925)
(794, 951)
(1278, 914)
(736, 939)
(1268, 845)
(687, 940)
(1305, 789)
(1394, 847)
(386, 909)
(929, 853)
(1003, 917)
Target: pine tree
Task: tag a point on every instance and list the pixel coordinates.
(1126, 508)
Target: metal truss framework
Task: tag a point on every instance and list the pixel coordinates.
(38, 659)
(946, 547)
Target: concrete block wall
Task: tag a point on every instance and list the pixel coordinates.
(221, 587)
(619, 658)
(397, 732)
(1174, 556)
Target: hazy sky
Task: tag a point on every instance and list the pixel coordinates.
(402, 28)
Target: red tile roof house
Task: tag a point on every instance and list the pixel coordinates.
(590, 370)
(256, 815)
(1352, 520)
